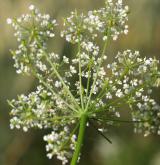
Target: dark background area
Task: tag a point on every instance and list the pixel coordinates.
(19, 148)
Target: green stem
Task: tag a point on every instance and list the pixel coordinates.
(95, 79)
(103, 91)
(80, 75)
(53, 92)
(61, 80)
(113, 103)
(89, 76)
(82, 127)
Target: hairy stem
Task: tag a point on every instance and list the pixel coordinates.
(82, 127)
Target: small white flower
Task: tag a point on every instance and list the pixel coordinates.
(51, 35)
(9, 20)
(31, 7)
(50, 155)
(105, 38)
(65, 59)
(117, 114)
(101, 129)
(58, 84)
(72, 69)
(119, 93)
(25, 129)
(126, 31)
(115, 37)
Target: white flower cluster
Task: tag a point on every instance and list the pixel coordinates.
(109, 21)
(131, 82)
(82, 84)
(32, 32)
(40, 108)
(56, 143)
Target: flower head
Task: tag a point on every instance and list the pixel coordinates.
(74, 91)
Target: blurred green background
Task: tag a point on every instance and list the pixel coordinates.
(18, 148)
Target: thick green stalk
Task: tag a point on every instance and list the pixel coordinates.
(82, 127)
